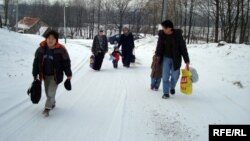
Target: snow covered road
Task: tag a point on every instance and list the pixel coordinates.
(117, 105)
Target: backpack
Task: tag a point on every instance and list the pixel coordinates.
(35, 91)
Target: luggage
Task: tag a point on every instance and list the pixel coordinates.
(132, 58)
(35, 91)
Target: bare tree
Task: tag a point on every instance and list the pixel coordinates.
(244, 19)
(122, 7)
(154, 11)
(190, 19)
(6, 11)
(217, 19)
(1, 24)
(108, 16)
(99, 14)
(208, 19)
(205, 13)
(185, 19)
(92, 19)
(236, 22)
(139, 13)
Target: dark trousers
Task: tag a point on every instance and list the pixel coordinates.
(115, 63)
(98, 61)
(126, 60)
(155, 83)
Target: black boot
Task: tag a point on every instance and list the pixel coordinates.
(53, 106)
(165, 96)
(172, 91)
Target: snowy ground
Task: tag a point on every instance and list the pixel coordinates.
(117, 105)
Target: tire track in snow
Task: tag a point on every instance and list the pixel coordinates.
(120, 112)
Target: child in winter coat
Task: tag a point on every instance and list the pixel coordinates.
(156, 73)
(116, 54)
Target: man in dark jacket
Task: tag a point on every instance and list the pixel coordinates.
(99, 48)
(171, 47)
(51, 60)
(127, 43)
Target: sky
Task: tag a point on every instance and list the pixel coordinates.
(51, 1)
(1, 1)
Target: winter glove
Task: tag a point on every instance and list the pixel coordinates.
(67, 85)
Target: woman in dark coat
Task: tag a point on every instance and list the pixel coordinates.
(127, 43)
(99, 48)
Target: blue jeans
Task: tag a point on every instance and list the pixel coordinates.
(155, 83)
(170, 77)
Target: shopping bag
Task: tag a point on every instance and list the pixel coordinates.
(186, 82)
(92, 61)
(195, 75)
(132, 58)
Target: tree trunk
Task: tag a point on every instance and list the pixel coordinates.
(229, 38)
(93, 24)
(185, 21)
(208, 20)
(120, 22)
(242, 23)
(99, 14)
(6, 11)
(246, 23)
(181, 14)
(190, 19)
(1, 24)
(217, 18)
(154, 19)
(236, 22)
(223, 22)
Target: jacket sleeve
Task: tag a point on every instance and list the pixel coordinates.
(159, 46)
(35, 69)
(107, 47)
(152, 64)
(66, 63)
(184, 51)
(120, 41)
(133, 41)
(93, 49)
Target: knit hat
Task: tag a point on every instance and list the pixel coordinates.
(125, 28)
(67, 85)
(167, 23)
(53, 33)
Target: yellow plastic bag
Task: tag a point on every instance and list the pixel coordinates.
(186, 82)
